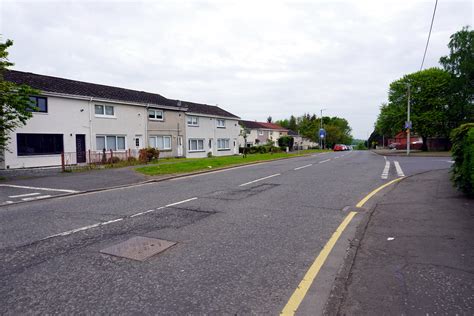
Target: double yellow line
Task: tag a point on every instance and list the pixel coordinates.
(299, 294)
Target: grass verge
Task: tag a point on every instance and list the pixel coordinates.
(198, 164)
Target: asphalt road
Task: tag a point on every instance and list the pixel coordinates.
(244, 237)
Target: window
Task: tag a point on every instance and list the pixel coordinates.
(155, 114)
(39, 144)
(221, 123)
(196, 145)
(223, 144)
(104, 110)
(260, 132)
(38, 104)
(193, 121)
(110, 142)
(160, 142)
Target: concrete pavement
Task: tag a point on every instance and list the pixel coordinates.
(416, 255)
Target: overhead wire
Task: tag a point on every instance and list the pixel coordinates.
(429, 35)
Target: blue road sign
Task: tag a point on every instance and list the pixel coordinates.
(322, 133)
(408, 124)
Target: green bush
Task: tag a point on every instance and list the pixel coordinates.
(148, 154)
(113, 159)
(286, 141)
(462, 139)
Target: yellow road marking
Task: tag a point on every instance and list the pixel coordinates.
(303, 287)
(299, 294)
(371, 194)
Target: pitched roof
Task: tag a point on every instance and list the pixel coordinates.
(207, 109)
(273, 126)
(250, 124)
(74, 87)
(261, 125)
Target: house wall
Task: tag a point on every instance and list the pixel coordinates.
(65, 116)
(210, 133)
(71, 117)
(129, 121)
(173, 125)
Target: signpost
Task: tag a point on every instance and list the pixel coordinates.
(322, 135)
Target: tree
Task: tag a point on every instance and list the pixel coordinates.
(15, 103)
(429, 105)
(292, 123)
(269, 119)
(460, 65)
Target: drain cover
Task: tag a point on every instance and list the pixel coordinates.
(138, 248)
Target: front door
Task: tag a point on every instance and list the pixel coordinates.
(180, 146)
(80, 148)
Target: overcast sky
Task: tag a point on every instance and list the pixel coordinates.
(252, 58)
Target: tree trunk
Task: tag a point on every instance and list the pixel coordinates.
(424, 147)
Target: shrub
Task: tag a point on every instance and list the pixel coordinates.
(286, 141)
(113, 159)
(462, 139)
(148, 154)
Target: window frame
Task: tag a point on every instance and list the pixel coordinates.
(155, 137)
(155, 116)
(226, 144)
(116, 142)
(260, 132)
(54, 152)
(197, 140)
(223, 123)
(36, 98)
(104, 111)
(190, 117)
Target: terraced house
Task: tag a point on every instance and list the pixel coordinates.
(81, 119)
(260, 133)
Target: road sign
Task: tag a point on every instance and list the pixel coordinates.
(322, 133)
(408, 124)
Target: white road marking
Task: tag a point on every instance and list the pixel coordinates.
(273, 175)
(399, 169)
(338, 157)
(385, 157)
(386, 170)
(36, 198)
(325, 160)
(37, 188)
(111, 221)
(72, 231)
(450, 161)
(8, 202)
(24, 195)
(181, 202)
(303, 167)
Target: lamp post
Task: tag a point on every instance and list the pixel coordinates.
(408, 123)
(321, 127)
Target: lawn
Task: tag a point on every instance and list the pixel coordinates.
(175, 166)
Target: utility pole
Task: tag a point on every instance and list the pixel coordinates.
(320, 127)
(408, 124)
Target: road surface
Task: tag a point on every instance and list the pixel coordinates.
(245, 237)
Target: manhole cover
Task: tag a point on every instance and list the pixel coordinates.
(138, 248)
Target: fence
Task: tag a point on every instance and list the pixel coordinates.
(75, 160)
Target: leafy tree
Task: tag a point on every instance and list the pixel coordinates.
(269, 119)
(429, 104)
(15, 104)
(292, 123)
(460, 64)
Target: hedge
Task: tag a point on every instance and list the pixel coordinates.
(462, 139)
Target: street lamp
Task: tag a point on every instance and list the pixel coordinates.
(320, 128)
(408, 123)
